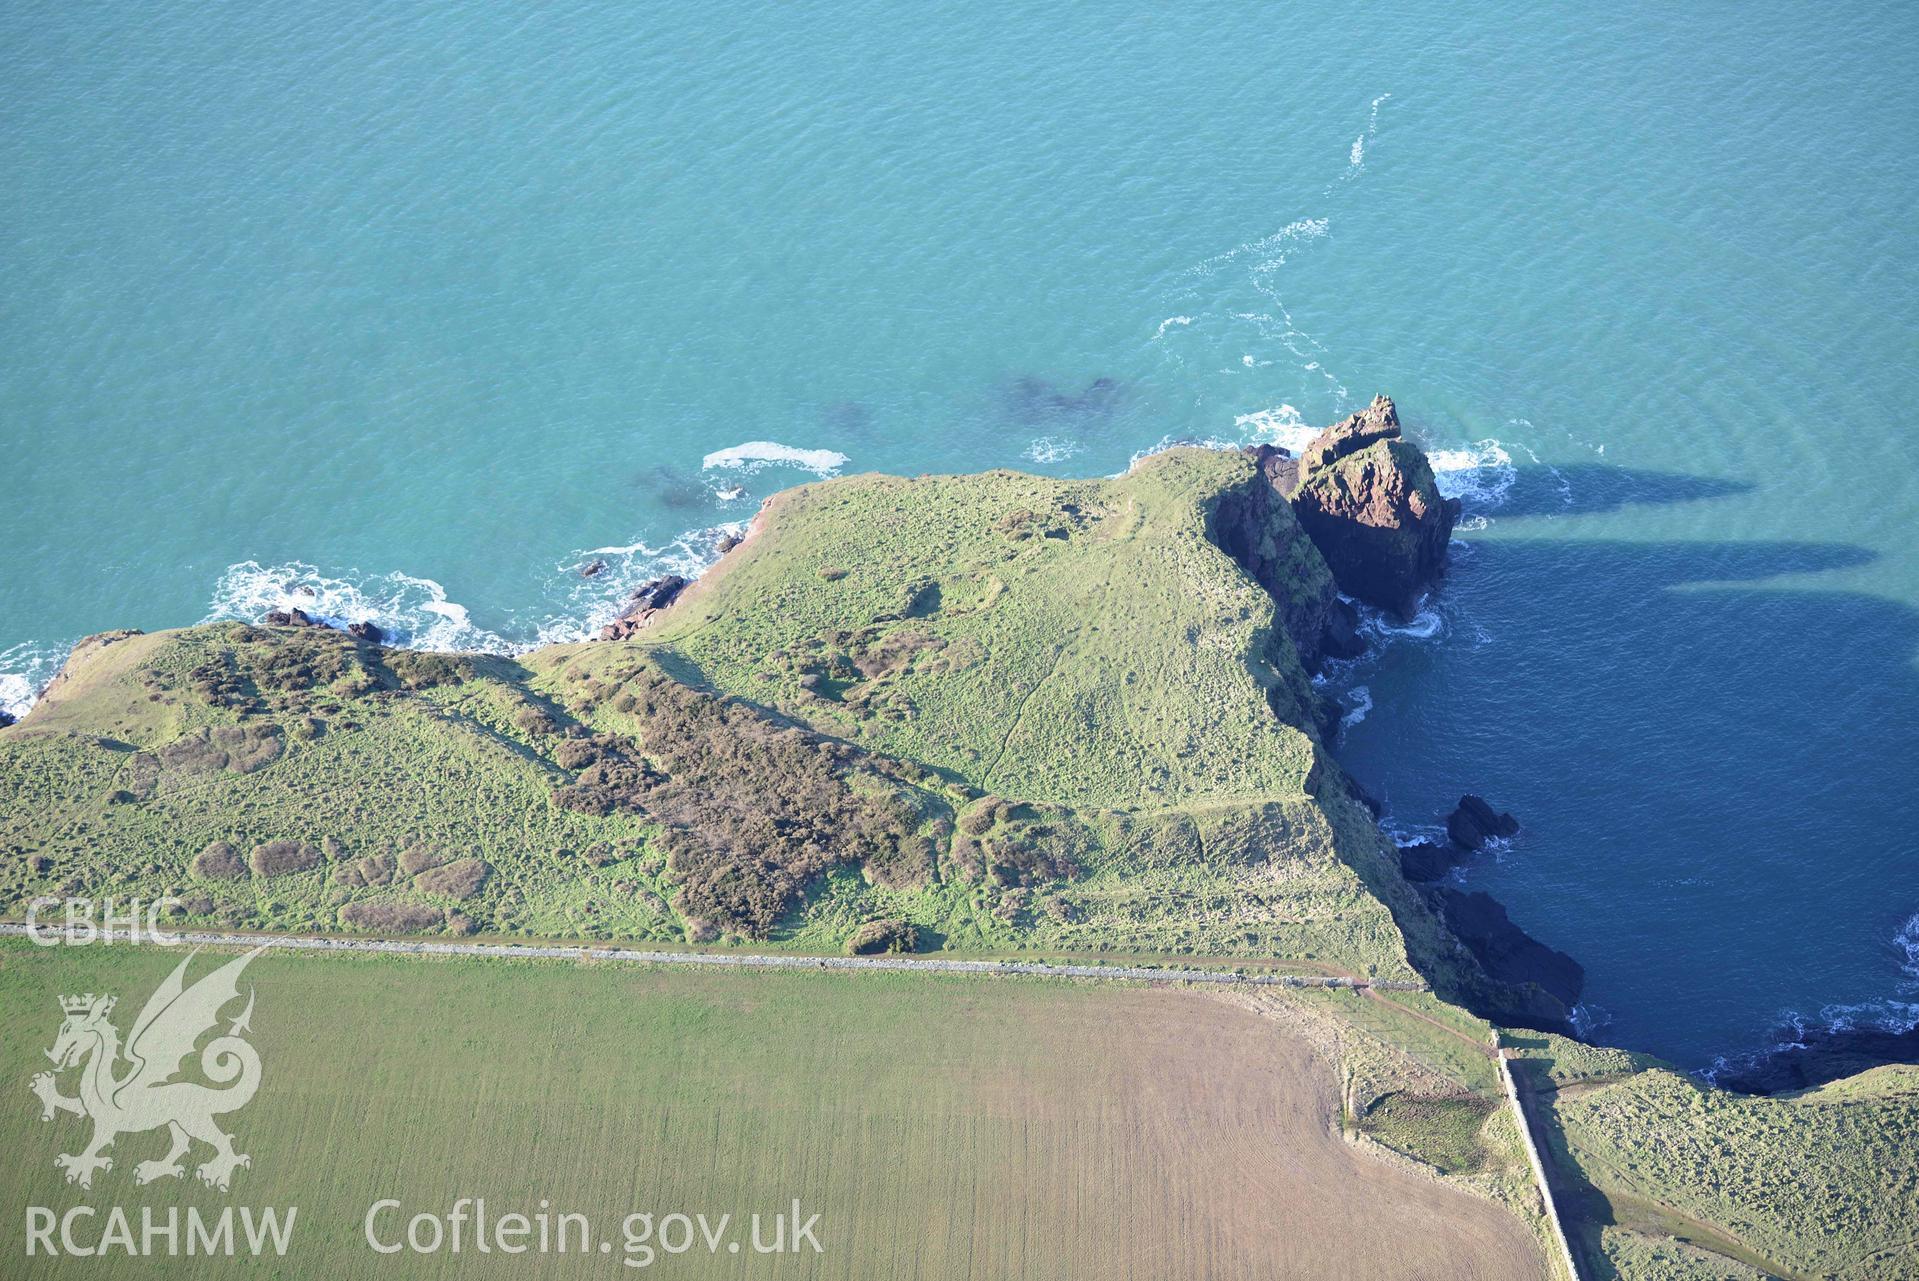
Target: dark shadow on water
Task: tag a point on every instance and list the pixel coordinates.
(1714, 775)
(1579, 488)
(849, 417)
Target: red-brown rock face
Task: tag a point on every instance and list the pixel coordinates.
(1367, 499)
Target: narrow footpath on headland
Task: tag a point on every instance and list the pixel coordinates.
(744, 960)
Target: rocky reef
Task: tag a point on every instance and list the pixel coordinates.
(368, 632)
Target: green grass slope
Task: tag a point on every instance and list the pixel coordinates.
(1078, 642)
(1010, 712)
(1823, 1183)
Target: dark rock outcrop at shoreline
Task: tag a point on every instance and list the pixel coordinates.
(1367, 498)
(366, 632)
(6, 719)
(648, 599)
(1364, 498)
(1340, 637)
(1814, 1056)
(1474, 824)
(1534, 985)
(1427, 861)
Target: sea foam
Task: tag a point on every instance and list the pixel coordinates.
(1282, 426)
(591, 603)
(1906, 944)
(755, 454)
(1051, 449)
(412, 612)
(24, 672)
(1885, 1014)
(1478, 474)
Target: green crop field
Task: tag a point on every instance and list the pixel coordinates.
(941, 1127)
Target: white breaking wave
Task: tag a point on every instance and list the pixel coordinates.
(1478, 474)
(1361, 700)
(1170, 322)
(412, 612)
(755, 454)
(1282, 426)
(24, 672)
(1051, 449)
(1404, 834)
(1424, 625)
(594, 602)
(1589, 1019)
(16, 693)
(1887, 1014)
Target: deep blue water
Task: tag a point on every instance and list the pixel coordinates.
(423, 304)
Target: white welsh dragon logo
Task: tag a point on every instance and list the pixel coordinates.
(145, 1096)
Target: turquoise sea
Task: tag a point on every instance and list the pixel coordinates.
(423, 306)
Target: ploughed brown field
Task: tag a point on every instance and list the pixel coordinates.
(942, 1127)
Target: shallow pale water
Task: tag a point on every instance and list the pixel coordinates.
(428, 305)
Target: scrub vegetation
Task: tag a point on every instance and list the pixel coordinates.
(946, 702)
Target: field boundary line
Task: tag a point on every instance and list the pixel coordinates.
(748, 960)
(1504, 1058)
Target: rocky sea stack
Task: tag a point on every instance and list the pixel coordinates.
(1367, 498)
